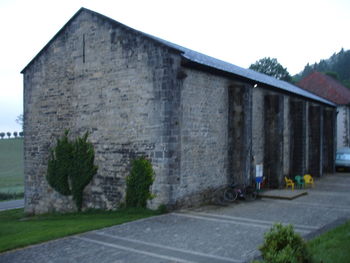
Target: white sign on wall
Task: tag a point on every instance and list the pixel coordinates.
(259, 170)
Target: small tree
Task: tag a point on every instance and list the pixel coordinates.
(71, 167)
(20, 134)
(138, 183)
(2, 135)
(8, 134)
(283, 245)
(15, 134)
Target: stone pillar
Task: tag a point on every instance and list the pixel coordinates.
(286, 136)
(307, 136)
(240, 133)
(315, 140)
(273, 149)
(329, 144)
(258, 133)
(297, 137)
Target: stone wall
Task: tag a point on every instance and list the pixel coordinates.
(119, 86)
(204, 135)
(258, 134)
(271, 144)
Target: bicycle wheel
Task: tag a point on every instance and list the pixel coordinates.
(230, 195)
(250, 194)
(218, 197)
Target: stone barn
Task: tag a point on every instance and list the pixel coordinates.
(202, 122)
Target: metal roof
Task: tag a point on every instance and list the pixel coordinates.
(245, 73)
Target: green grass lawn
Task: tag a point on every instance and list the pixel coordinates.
(11, 165)
(333, 246)
(16, 230)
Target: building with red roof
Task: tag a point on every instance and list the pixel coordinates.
(329, 88)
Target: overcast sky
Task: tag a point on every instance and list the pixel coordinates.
(295, 32)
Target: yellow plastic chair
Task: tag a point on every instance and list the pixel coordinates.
(289, 182)
(308, 180)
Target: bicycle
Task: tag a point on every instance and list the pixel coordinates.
(233, 191)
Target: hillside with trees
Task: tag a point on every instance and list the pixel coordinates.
(337, 66)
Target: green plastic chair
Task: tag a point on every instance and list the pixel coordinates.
(300, 181)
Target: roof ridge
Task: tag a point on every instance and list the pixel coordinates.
(111, 20)
(203, 60)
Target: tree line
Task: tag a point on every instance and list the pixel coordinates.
(15, 134)
(337, 66)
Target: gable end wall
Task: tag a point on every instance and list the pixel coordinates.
(122, 88)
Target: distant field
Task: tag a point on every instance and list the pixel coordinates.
(11, 165)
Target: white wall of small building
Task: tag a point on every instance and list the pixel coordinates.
(343, 137)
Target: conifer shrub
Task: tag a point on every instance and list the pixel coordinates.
(71, 167)
(138, 183)
(283, 245)
(60, 165)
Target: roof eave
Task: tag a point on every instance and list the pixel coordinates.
(187, 61)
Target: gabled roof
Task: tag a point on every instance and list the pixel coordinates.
(206, 61)
(326, 87)
(242, 72)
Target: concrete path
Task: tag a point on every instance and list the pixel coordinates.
(206, 234)
(13, 204)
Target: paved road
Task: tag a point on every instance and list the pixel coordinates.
(13, 204)
(206, 234)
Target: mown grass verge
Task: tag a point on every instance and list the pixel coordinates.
(11, 168)
(332, 246)
(17, 230)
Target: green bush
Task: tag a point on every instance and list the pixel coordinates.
(83, 168)
(138, 183)
(71, 167)
(283, 245)
(60, 165)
